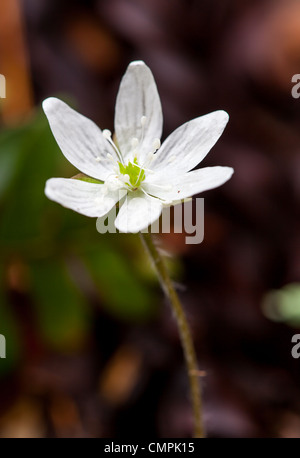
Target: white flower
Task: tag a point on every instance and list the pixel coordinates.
(134, 169)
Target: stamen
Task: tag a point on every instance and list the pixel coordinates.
(145, 192)
(98, 159)
(112, 183)
(150, 157)
(134, 143)
(167, 187)
(171, 159)
(125, 178)
(106, 134)
(156, 144)
(139, 176)
(116, 169)
(109, 156)
(154, 197)
(143, 120)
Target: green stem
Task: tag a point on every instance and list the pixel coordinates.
(184, 331)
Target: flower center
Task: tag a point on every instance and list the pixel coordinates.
(133, 174)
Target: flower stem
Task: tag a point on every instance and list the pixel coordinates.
(184, 331)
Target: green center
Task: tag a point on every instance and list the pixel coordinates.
(134, 171)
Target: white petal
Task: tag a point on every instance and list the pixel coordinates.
(137, 97)
(190, 143)
(80, 140)
(137, 213)
(89, 199)
(190, 183)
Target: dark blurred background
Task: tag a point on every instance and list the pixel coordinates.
(92, 347)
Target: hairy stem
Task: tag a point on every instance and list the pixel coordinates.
(184, 331)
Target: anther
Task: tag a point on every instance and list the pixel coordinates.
(156, 144)
(109, 156)
(106, 134)
(98, 159)
(143, 120)
(171, 159)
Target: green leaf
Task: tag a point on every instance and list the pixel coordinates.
(121, 290)
(62, 311)
(9, 329)
(82, 177)
(283, 305)
(36, 162)
(11, 143)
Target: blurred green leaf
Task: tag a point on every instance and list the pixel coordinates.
(30, 156)
(44, 234)
(82, 177)
(61, 310)
(284, 304)
(32, 146)
(120, 288)
(8, 328)
(11, 144)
